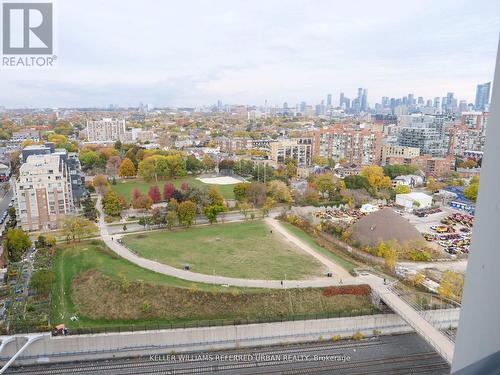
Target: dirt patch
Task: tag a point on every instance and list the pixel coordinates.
(98, 297)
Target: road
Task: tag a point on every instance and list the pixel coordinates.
(228, 217)
(452, 265)
(400, 354)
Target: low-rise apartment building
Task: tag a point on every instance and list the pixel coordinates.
(390, 151)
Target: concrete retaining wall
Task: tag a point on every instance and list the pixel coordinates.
(84, 347)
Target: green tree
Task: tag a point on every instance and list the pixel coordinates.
(42, 281)
(402, 189)
(395, 170)
(212, 211)
(193, 165)
(88, 207)
(240, 191)
(471, 191)
(16, 242)
(171, 219)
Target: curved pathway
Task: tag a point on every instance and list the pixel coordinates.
(342, 276)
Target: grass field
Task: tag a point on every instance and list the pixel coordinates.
(108, 292)
(74, 260)
(311, 242)
(125, 187)
(243, 250)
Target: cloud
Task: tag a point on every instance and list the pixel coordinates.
(196, 52)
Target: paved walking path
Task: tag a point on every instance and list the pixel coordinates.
(333, 267)
(342, 276)
(430, 334)
(433, 336)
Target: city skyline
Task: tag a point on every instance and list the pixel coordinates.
(184, 55)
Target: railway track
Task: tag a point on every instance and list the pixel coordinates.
(407, 363)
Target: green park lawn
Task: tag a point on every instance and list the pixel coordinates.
(126, 187)
(107, 292)
(243, 250)
(311, 242)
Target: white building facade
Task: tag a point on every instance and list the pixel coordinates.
(105, 130)
(43, 192)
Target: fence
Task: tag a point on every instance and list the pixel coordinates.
(26, 328)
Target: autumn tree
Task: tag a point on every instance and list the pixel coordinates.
(240, 191)
(208, 163)
(215, 196)
(256, 193)
(244, 208)
(127, 168)
(154, 194)
(402, 189)
(433, 185)
(186, 212)
(279, 191)
(16, 243)
(112, 165)
(100, 183)
(136, 193)
(142, 202)
(75, 227)
(452, 286)
(376, 177)
(311, 196)
(168, 190)
(268, 206)
(111, 204)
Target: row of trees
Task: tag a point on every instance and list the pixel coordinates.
(130, 160)
(184, 212)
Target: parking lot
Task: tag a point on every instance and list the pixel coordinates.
(450, 237)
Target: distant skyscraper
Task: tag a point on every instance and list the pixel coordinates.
(363, 104)
(329, 100)
(462, 106)
(341, 100)
(482, 96)
(410, 99)
(302, 107)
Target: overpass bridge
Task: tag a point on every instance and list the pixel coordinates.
(435, 337)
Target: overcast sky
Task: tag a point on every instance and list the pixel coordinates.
(190, 53)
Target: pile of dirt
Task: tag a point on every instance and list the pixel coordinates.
(384, 225)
